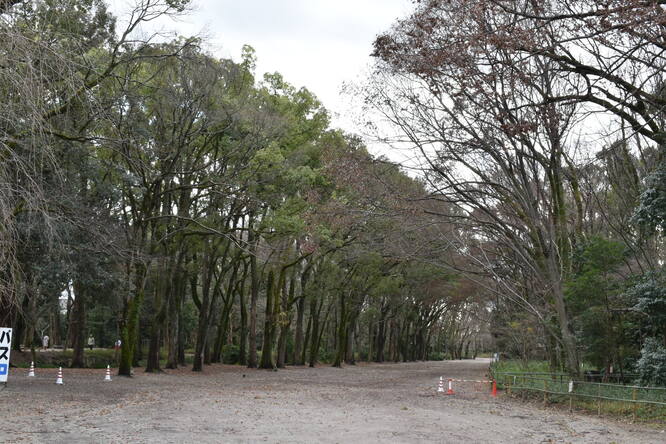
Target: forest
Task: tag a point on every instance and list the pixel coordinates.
(155, 193)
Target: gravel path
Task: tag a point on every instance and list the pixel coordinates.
(364, 403)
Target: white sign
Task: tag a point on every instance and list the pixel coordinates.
(5, 348)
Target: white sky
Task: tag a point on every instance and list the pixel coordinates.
(319, 44)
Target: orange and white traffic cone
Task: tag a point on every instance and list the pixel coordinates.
(494, 392)
(59, 378)
(31, 373)
(108, 373)
(450, 390)
(440, 386)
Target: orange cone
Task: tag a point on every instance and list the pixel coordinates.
(59, 378)
(108, 373)
(31, 373)
(450, 390)
(494, 392)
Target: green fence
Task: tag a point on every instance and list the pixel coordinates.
(642, 401)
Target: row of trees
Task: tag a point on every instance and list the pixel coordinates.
(173, 198)
(541, 126)
(180, 201)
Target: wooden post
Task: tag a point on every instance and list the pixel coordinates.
(545, 391)
(635, 404)
(598, 399)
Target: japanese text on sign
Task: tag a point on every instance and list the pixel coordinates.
(5, 349)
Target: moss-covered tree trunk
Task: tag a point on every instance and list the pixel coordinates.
(130, 332)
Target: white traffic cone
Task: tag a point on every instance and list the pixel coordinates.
(31, 373)
(108, 373)
(440, 386)
(59, 378)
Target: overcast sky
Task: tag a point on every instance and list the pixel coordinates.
(318, 44)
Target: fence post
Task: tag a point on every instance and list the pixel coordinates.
(507, 382)
(635, 404)
(545, 391)
(571, 387)
(598, 399)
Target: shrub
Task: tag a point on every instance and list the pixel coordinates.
(230, 354)
(651, 366)
(437, 356)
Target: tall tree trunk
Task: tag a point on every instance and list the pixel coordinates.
(267, 347)
(298, 336)
(138, 349)
(372, 334)
(130, 334)
(174, 325)
(153, 357)
(315, 313)
(202, 325)
(341, 340)
(160, 305)
(68, 319)
(568, 338)
(285, 322)
(18, 323)
(254, 296)
(381, 337)
(207, 304)
(208, 349)
(299, 340)
(57, 324)
(224, 322)
(308, 336)
(181, 336)
(242, 339)
(318, 332)
(77, 327)
(349, 347)
(220, 335)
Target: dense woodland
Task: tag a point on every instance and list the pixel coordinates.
(542, 124)
(184, 205)
(152, 192)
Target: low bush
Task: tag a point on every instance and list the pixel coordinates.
(230, 354)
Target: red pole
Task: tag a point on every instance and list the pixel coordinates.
(494, 392)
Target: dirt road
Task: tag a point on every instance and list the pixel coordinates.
(361, 404)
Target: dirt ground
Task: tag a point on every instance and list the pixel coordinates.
(361, 404)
